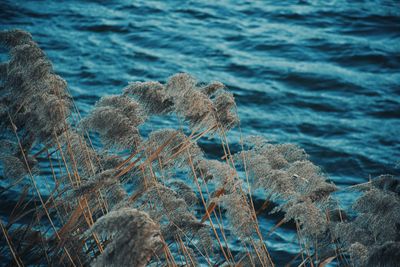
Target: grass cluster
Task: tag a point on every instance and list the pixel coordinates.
(158, 199)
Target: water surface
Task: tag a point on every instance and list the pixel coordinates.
(321, 74)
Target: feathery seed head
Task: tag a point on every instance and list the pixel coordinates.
(11, 38)
(212, 88)
(135, 238)
(151, 95)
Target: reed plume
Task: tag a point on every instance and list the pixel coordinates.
(151, 95)
(116, 119)
(299, 187)
(372, 236)
(135, 237)
(203, 107)
(176, 148)
(33, 97)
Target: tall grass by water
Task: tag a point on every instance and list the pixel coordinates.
(159, 199)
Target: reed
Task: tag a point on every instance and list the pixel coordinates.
(158, 199)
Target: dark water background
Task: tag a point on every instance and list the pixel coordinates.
(322, 74)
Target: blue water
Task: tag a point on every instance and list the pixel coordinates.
(321, 74)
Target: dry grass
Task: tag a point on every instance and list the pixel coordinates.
(183, 208)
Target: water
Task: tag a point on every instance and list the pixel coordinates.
(321, 74)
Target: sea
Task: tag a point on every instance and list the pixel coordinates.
(322, 74)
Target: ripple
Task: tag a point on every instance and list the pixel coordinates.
(104, 28)
(323, 75)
